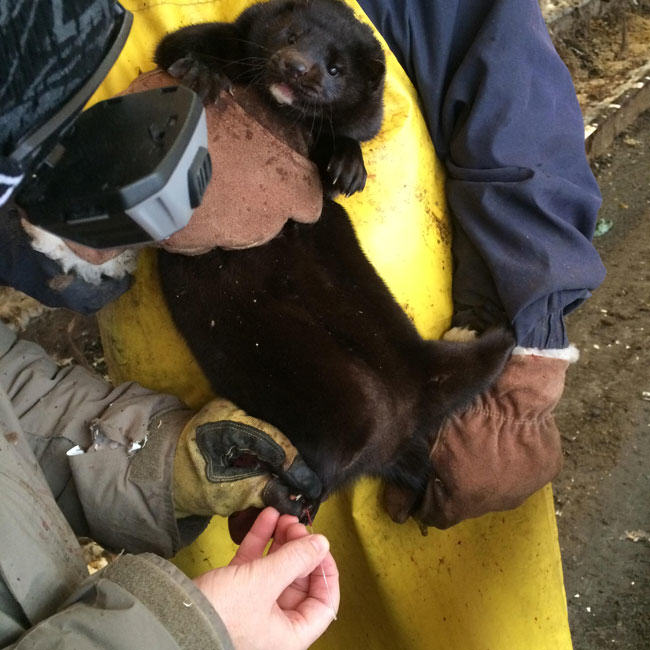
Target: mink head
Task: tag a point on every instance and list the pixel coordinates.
(317, 57)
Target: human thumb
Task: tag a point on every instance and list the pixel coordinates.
(295, 559)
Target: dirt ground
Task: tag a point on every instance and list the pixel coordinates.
(603, 493)
(601, 52)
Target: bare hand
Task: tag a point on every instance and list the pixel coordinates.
(279, 601)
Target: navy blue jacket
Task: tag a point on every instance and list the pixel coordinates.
(504, 119)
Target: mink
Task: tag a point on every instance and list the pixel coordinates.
(302, 332)
(311, 59)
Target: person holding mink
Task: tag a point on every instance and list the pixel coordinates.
(498, 104)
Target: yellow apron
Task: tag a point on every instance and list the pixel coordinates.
(493, 583)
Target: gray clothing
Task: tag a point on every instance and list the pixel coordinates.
(110, 491)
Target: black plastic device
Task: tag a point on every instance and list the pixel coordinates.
(130, 170)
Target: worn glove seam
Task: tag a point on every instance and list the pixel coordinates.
(509, 418)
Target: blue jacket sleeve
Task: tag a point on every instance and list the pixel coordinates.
(504, 119)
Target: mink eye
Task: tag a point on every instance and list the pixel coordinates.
(292, 38)
(333, 70)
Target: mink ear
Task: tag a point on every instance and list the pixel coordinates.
(376, 68)
(460, 371)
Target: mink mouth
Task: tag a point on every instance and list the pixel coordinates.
(291, 92)
(239, 523)
(283, 93)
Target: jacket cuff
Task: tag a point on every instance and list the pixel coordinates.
(548, 333)
(137, 512)
(172, 598)
(152, 469)
(541, 325)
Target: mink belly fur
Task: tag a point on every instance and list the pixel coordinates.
(303, 333)
(310, 59)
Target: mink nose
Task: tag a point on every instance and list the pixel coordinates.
(294, 65)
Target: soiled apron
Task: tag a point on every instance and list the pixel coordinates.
(493, 583)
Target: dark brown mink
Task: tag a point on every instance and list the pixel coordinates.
(312, 60)
(303, 333)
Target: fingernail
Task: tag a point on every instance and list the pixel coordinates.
(319, 542)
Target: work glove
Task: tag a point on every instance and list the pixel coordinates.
(227, 462)
(496, 453)
(261, 175)
(261, 179)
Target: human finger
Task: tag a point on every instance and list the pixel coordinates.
(280, 533)
(315, 611)
(322, 598)
(295, 559)
(311, 618)
(291, 529)
(257, 538)
(299, 588)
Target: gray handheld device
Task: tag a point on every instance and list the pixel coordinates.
(130, 170)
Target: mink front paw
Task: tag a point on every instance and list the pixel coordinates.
(345, 172)
(206, 83)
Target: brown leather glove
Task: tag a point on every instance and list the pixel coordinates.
(261, 176)
(496, 453)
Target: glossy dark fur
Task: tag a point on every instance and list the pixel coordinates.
(304, 334)
(328, 65)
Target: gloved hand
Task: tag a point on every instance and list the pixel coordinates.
(496, 453)
(227, 461)
(254, 151)
(261, 174)
(249, 199)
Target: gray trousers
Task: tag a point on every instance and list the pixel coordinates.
(114, 486)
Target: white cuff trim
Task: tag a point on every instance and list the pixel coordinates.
(570, 354)
(54, 247)
(459, 335)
